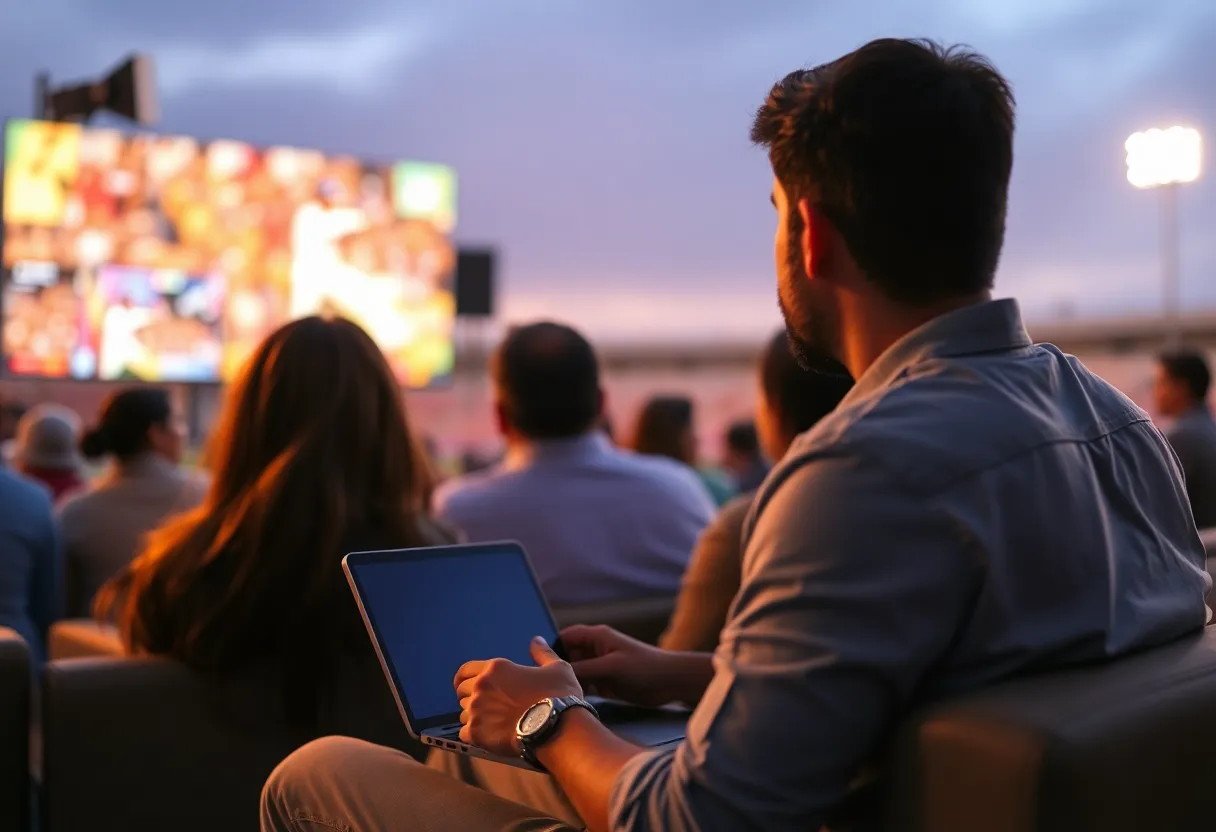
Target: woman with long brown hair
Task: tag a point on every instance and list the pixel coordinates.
(313, 457)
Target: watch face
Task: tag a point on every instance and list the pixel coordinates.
(535, 718)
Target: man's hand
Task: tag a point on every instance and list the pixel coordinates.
(615, 666)
(495, 694)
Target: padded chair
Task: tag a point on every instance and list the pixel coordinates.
(644, 618)
(144, 745)
(1119, 747)
(15, 686)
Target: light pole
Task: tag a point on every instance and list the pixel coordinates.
(1165, 159)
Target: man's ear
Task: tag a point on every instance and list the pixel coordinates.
(817, 240)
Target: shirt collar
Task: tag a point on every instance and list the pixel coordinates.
(990, 326)
(590, 444)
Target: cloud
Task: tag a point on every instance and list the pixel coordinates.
(346, 62)
(604, 146)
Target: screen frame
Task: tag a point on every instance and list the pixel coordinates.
(354, 561)
(129, 131)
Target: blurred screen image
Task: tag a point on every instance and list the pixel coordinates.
(163, 258)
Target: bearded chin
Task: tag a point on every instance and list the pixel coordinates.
(811, 354)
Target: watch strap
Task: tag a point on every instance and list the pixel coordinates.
(529, 745)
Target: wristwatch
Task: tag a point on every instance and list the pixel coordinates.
(539, 723)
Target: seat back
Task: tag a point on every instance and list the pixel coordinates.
(644, 618)
(145, 744)
(1117, 747)
(78, 638)
(14, 731)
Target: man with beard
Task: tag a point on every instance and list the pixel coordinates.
(976, 508)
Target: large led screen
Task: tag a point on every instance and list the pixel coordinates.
(163, 258)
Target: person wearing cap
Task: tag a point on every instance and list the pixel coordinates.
(45, 448)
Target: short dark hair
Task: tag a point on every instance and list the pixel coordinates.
(799, 397)
(742, 439)
(1190, 368)
(907, 148)
(548, 381)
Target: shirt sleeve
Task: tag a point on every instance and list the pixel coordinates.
(852, 588)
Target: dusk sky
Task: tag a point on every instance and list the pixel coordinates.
(603, 146)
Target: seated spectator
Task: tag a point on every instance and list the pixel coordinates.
(744, 462)
(978, 508)
(791, 401)
(103, 528)
(1180, 391)
(599, 524)
(45, 448)
(313, 458)
(10, 414)
(31, 589)
(665, 428)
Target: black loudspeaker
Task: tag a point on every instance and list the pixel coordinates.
(129, 90)
(475, 283)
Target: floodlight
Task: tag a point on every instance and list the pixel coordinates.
(1156, 157)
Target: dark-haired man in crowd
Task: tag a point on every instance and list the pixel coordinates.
(1180, 393)
(599, 524)
(791, 401)
(964, 516)
(744, 459)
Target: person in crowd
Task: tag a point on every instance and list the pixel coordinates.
(11, 412)
(790, 402)
(103, 527)
(665, 428)
(313, 458)
(744, 461)
(31, 586)
(599, 524)
(45, 448)
(1180, 393)
(976, 508)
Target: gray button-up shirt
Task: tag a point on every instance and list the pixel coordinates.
(978, 507)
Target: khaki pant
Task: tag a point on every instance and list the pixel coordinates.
(348, 785)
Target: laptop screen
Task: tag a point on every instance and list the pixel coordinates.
(436, 609)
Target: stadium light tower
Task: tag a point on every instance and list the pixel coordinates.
(1165, 159)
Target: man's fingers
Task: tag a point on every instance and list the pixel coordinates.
(465, 688)
(601, 668)
(464, 717)
(542, 653)
(467, 671)
(466, 734)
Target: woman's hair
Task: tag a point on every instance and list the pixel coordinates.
(663, 428)
(798, 397)
(126, 418)
(313, 457)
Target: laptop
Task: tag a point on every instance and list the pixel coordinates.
(428, 611)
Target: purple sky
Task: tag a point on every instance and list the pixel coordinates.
(604, 146)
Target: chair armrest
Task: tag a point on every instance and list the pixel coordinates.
(83, 638)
